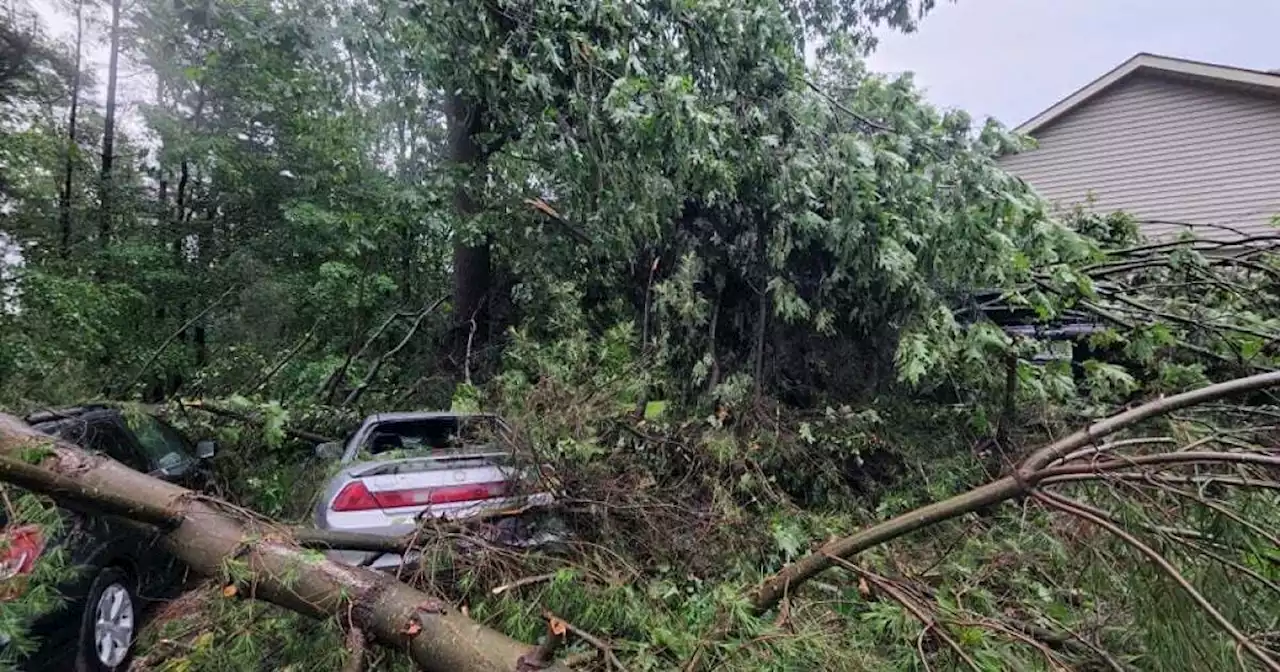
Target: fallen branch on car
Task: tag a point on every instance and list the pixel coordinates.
(206, 537)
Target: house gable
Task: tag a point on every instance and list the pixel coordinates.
(1171, 148)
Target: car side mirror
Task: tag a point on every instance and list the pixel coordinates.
(206, 448)
(329, 450)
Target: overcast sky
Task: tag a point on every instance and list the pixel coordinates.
(1012, 59)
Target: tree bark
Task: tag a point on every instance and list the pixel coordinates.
(109, 125)
(206, 537)
(472, 272)
(64, 199)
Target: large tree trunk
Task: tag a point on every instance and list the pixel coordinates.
(64, 199)
(207, 536)
(109, 125)
(471, 258)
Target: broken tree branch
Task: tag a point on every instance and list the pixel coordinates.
(288, 356)
(357, 649)
(174, 336)
(1015, 485)
(359, 391)
(601, 646)
(542, 656)
(437, 637)
(214, 409)
(912, 607)
(334, 381)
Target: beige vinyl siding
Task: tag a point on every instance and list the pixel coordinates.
(1164, 149)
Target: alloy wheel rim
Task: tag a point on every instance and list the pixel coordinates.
(113, 625)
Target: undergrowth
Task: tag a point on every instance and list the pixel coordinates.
(678, 512)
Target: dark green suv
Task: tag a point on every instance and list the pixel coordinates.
(119, 566)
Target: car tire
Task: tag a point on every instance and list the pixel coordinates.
(109, 623)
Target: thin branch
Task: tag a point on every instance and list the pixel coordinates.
(910, 605)
(874, 125)
(1071, 507)
(1256, 529)
(1165, 478)
(214, 409)
(266, 377)
(172, 337)
(1159, 459)
(1052, 658)
(1111, 446)
(601, 645)
(1228, 562)
(377, 364)
(335, 379)
(520, 583)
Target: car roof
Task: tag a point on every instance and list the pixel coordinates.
(69, 413)
(396, 416)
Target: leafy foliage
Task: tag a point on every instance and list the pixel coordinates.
(731, 280)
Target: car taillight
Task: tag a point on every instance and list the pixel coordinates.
(355, 496)
(22, 547)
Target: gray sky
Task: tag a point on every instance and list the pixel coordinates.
(1012, 59)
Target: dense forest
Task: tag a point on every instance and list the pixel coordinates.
(732, 291)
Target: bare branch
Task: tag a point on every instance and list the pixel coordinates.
(377, 364)
(172, 337)
(603, 647)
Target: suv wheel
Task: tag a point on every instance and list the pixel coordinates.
(108, 624)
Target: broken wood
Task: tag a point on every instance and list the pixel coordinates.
(208, 537)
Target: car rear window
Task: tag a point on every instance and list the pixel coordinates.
(431, 434)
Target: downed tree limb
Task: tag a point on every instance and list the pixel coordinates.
(604, 649)
(1020, 483)
(374, 368)
(915, 609)
(222, 411)
(146, 366)
(438, 637)
(265, 379)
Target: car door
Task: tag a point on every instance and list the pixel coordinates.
(107, 433)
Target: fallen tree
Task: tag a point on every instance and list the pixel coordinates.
(269, 565)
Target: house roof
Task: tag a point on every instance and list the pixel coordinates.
(1257, 80)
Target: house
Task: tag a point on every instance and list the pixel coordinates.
(1179, 144)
